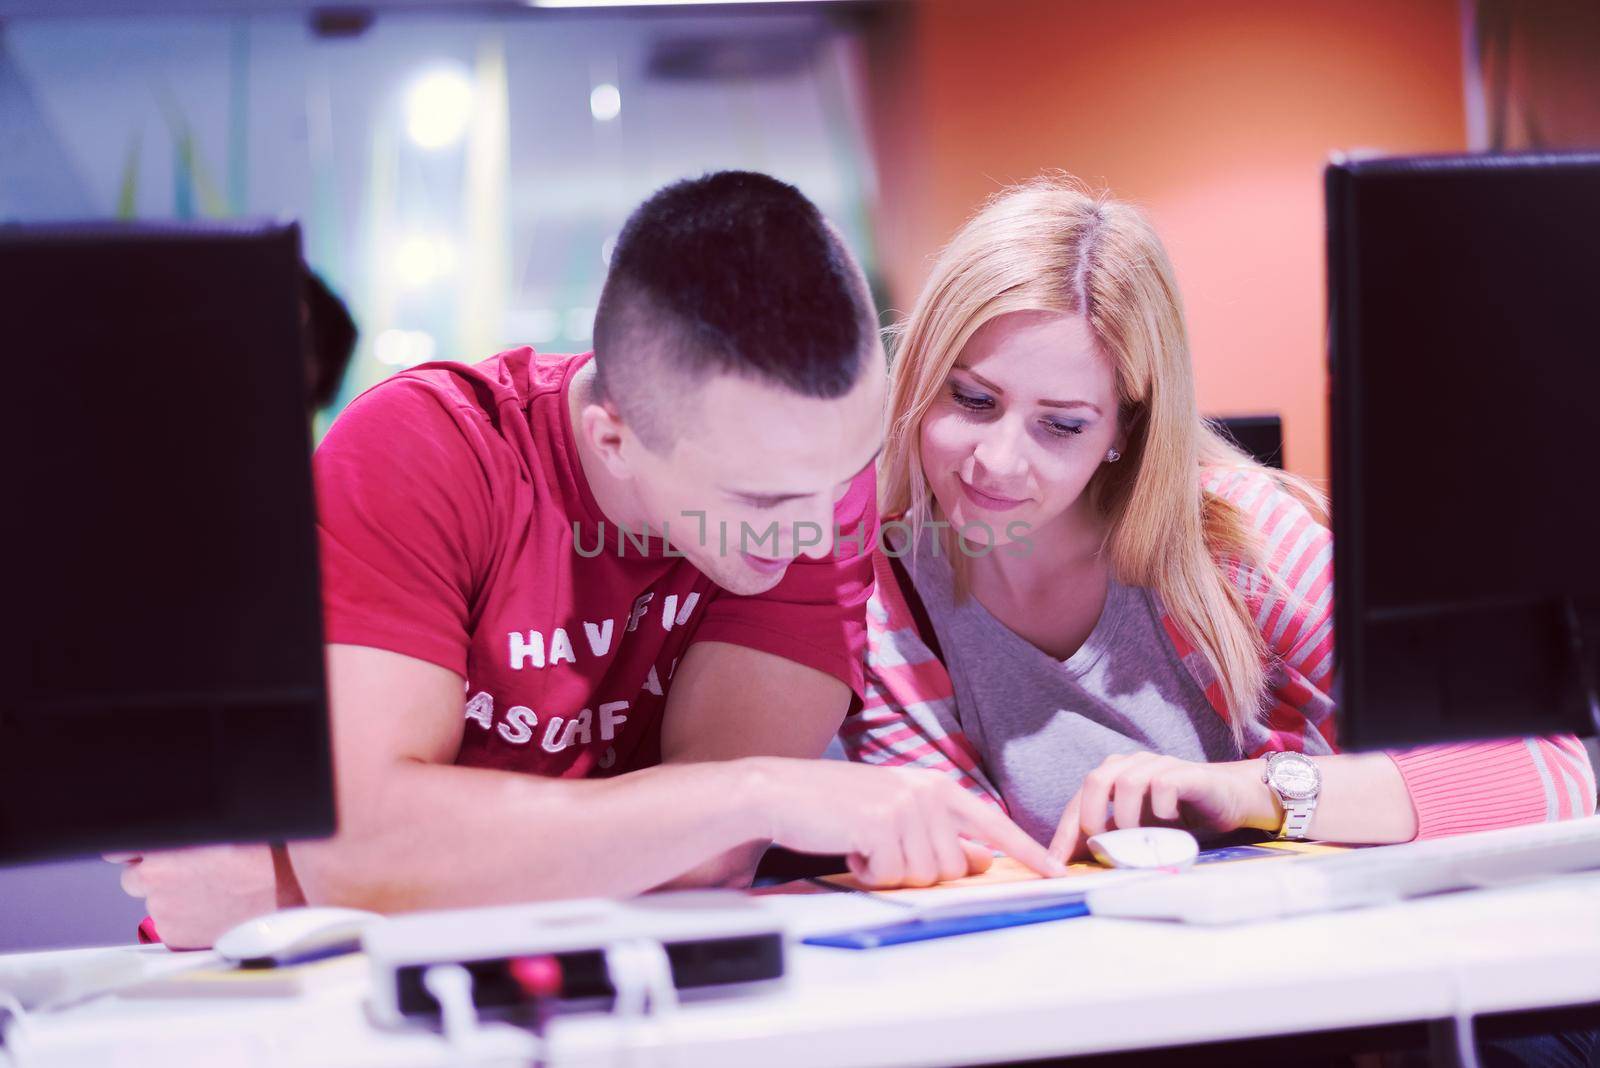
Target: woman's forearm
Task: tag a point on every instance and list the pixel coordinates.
(1363, 800)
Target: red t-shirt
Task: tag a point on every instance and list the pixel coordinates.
(447, 499)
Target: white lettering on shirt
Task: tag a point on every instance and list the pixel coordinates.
(688, 606)
(640, 604)
(610, 720)
(599, 637)
(652, 682)
(670, 616)
(519, 724)
(578, 731)
(553, 743)
(561, 648)
(481, 709)
(531, 649)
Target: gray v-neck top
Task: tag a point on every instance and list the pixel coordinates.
(1041, 724)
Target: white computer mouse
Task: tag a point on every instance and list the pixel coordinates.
(1145, 847)
(294, 934)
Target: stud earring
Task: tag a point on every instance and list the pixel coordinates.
(1112, 456)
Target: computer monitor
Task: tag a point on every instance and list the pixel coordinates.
(163, 684)
(1260, 436)
(1465, 364)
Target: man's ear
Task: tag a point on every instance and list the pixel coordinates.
(602, 426)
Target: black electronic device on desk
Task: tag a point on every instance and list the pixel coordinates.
(164, 682)
(592, 951)
(1465, 367)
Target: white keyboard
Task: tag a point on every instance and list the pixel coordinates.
(1264, 889)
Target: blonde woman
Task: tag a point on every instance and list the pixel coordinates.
(1094, 611)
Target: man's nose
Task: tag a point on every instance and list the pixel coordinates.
(811, 533)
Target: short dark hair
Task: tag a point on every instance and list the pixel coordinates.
(734, 272)
(330, 339)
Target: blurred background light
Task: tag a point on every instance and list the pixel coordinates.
(605, 102)
(580, 323)
(394, 124)
(438, 108)
(404, 348)
(421, 259)
(533, 326)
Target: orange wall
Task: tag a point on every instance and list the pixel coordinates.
(1215, 117)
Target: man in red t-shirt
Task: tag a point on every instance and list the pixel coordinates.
(581, 609)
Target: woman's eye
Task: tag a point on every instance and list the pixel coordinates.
(1063, 430)
(972, 402)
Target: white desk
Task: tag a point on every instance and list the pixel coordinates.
(1057, 989)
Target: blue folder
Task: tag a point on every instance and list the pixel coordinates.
(1064, 907)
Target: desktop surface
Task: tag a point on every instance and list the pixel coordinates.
(1078, 987)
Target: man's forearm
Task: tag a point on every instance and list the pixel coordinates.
(734, 869)
(729, 702)
(434, 836)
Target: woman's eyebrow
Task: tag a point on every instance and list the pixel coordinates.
(982, 381)
(1095, 408)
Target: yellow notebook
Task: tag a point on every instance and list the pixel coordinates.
(1006, 870)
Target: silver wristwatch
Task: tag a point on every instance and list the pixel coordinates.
(1297, 781)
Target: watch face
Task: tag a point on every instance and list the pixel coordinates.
(1296, 778)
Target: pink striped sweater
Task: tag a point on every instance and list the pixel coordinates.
(909, 715)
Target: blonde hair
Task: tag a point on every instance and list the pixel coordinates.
(1050, 245)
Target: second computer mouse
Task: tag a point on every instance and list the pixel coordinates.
(294, 935)
(1144, 847)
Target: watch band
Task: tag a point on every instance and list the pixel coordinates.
(1296, 817)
